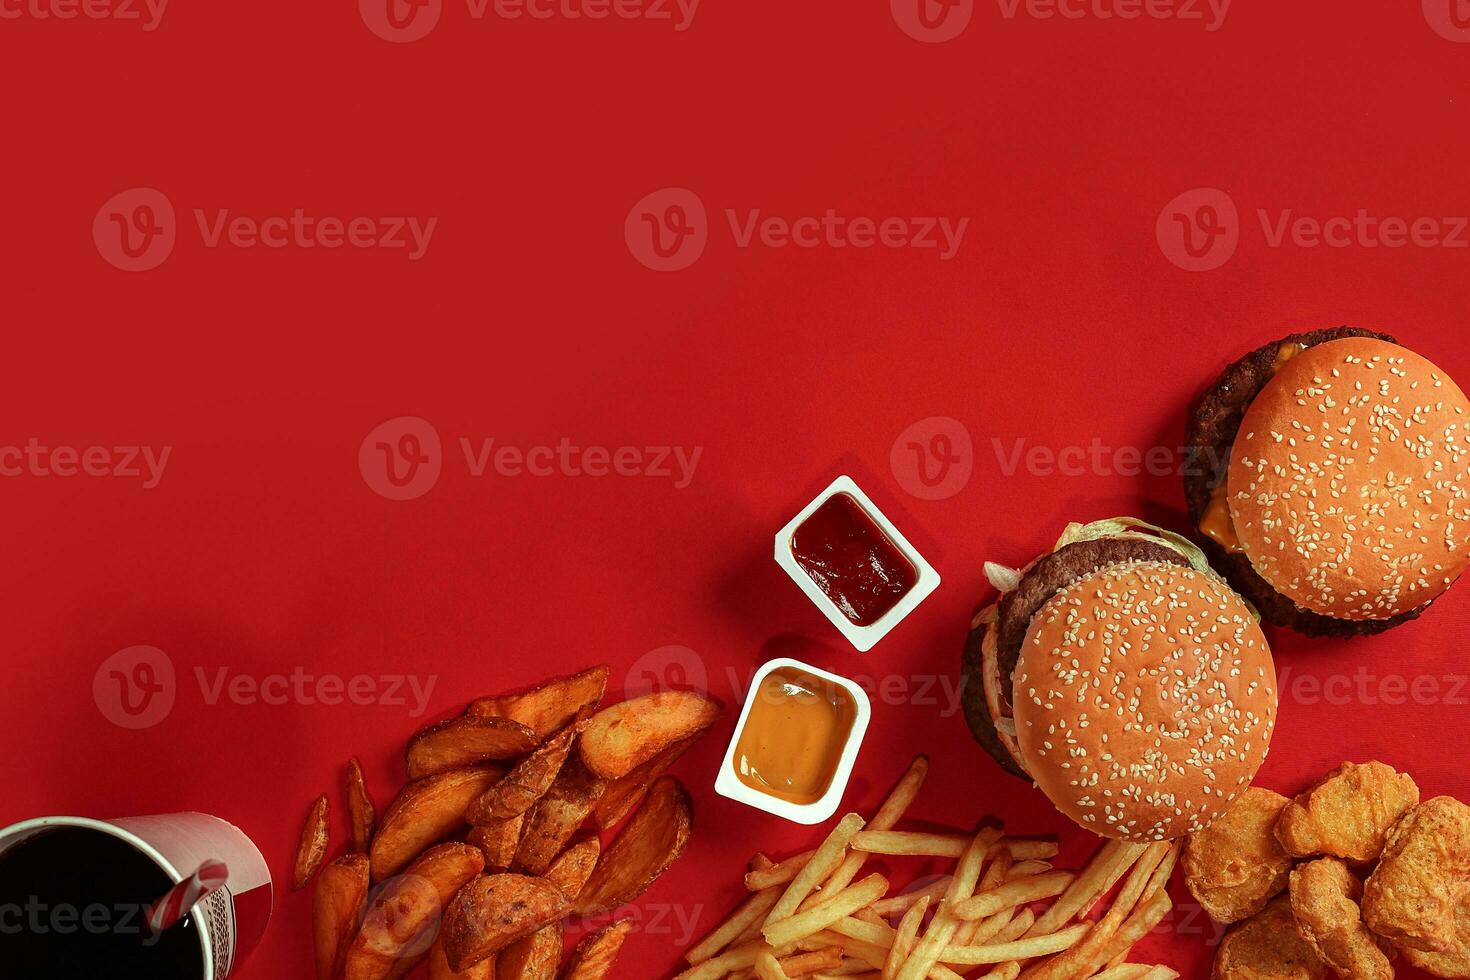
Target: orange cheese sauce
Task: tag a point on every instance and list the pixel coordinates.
(793, 738)
(1216, 522)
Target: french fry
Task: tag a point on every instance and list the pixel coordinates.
(759, 862)
(1107, 865)
(1025, 869)
(465, 741)
(336, 909)
(897, 803)
(1123, 971)
(595, 954)
(767, 967)
(493, 911)
(822, 864)
(1016, 928)
(624, 793)
(730, 961)
(549, 707)
(313, 847)
(1014, 893)
(362, 814)
(534, 957)
(1032, 850)
(815, 961)
(752, 911)
(780, 873)
(400, 915)
(908, 929)
(1138, 925)
(526, 783)
(427, 810)
(620, 738)
(911, 844)
(803, 924)
(943, 927)
(1020, 949)
(570, 871)
(902, 903)
(873, 933)
(645, 848)
(439, 965)
(499, 840)
(556, 817)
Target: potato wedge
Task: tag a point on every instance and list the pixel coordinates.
(556, 817)
(536, 957)
(313, 847)
(439, 965)
(396, 930)
(622, 737)
(651, 841)
(526, 783)
(549, 707)
(499, 840)
(427, 810)
(595, 954)
(362, 814)
(494, 911)
(336, 907)
(624, 794)
(463, 741)
(571, 870)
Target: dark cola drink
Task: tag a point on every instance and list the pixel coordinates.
(73, 906)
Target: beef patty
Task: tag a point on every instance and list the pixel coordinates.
(1214, 420)
(1045, 578)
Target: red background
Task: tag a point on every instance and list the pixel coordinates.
(263, 549)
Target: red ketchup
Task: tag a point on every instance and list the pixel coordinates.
(852, 560)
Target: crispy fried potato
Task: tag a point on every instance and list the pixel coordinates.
(556, 817)
(570, 871)
(526, 783)
(1424, 874)
(313, 847)
(466, 741)
(1236, 865)
(622, 737)
(1267, 947)
(1348, 814)
(1324, 901)
(499, 840)
(596, 953)
(549, 707)
(624, 793)
(341, 892)
(494, 911)
(362, 814)
(651, 841)
(536, 957)
(439, 965)
(427, 810)
(395, 931)
(1454, 964)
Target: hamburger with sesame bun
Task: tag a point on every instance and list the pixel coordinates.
(1125, 679)
(1328, 475)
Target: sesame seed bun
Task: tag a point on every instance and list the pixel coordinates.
(1349, 482)
(1145, 699)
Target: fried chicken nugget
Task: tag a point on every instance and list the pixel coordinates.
(1235, 866)
(1455, 964)
(1324, 900)
(1348, 814)
(1413, 896)
(1267, 946)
